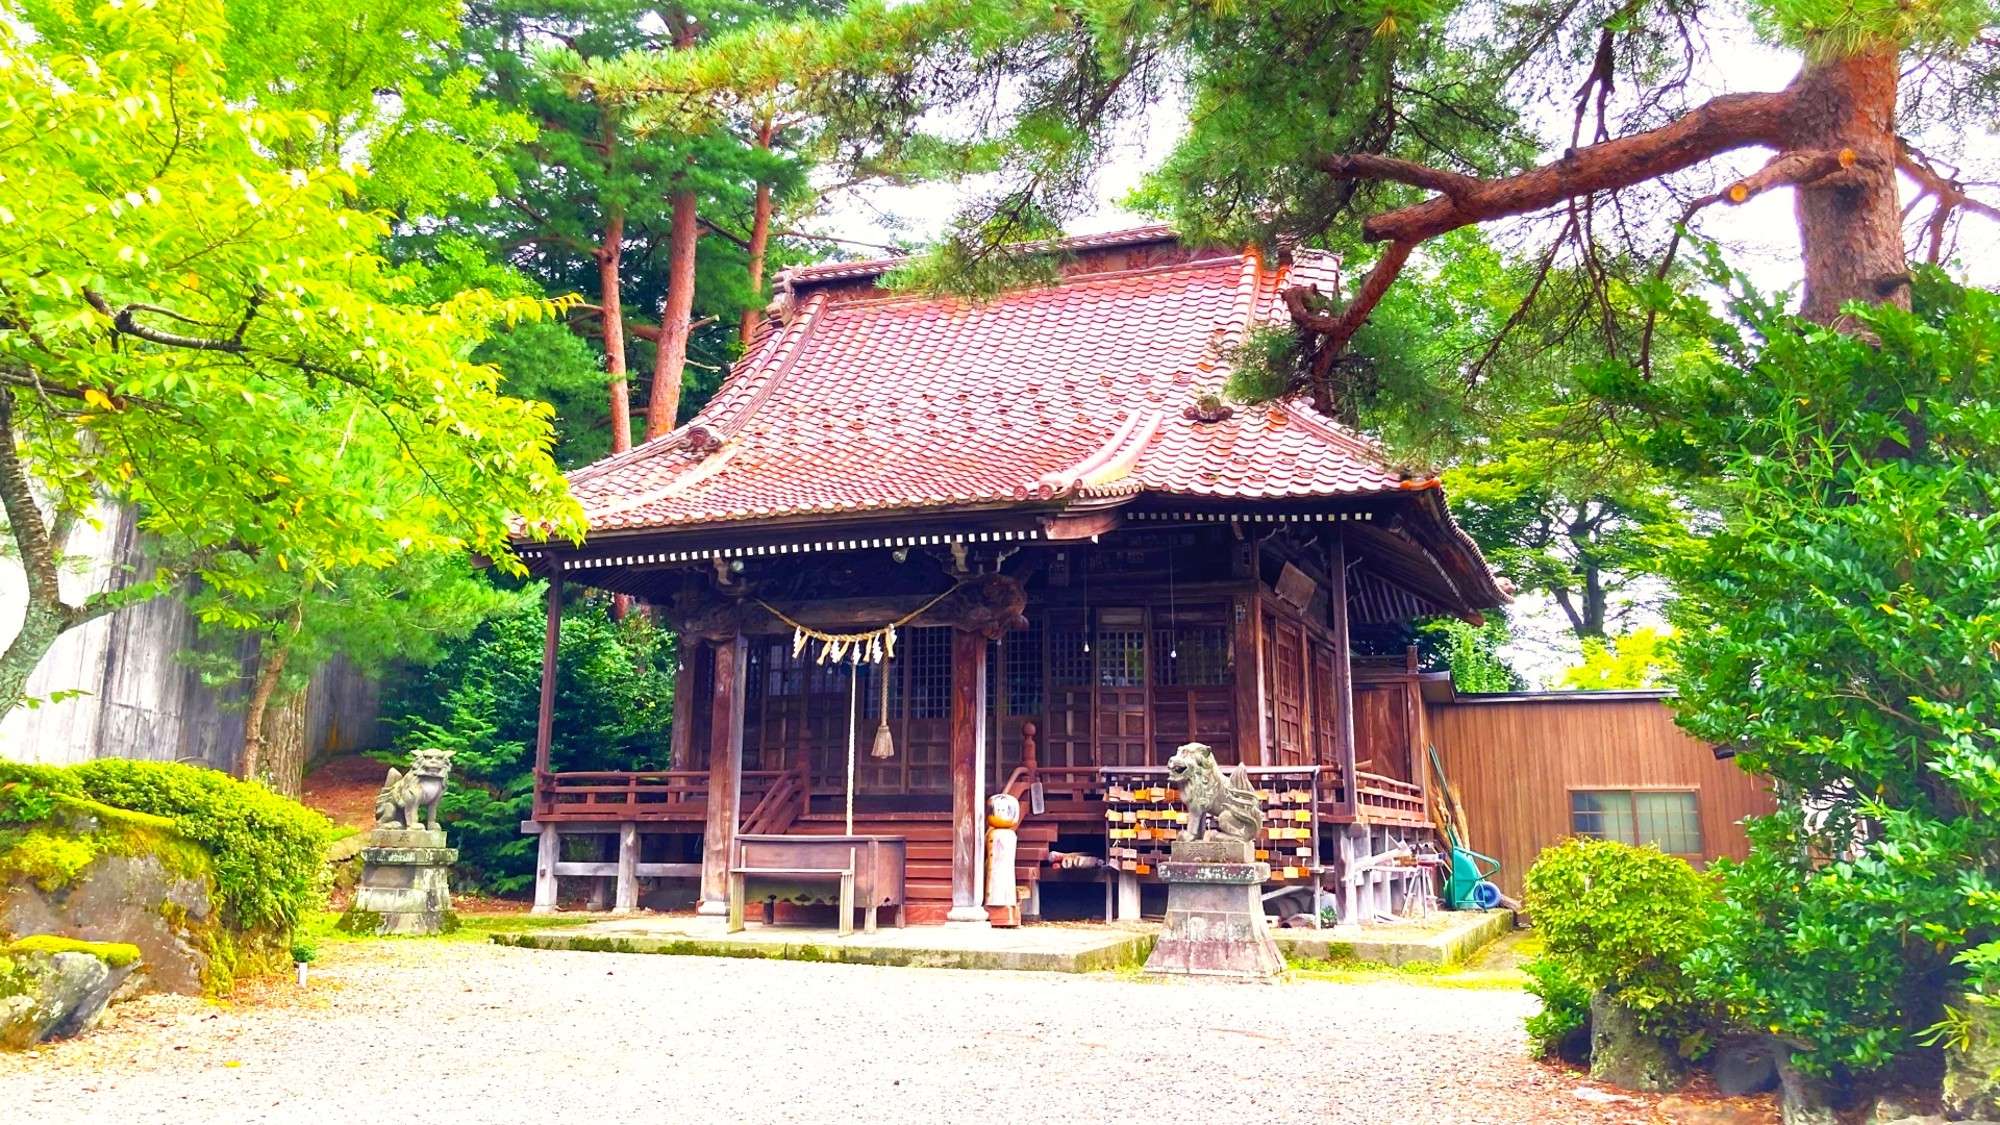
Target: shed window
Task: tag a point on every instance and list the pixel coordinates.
(1668, 819)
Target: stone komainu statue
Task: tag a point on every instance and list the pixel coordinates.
(1229, 802)
(406, 796)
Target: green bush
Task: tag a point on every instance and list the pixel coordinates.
(614, 704)
(1837, 627)
(29, 793)
(1565, 1006)
(1623, 920)
(268, 850)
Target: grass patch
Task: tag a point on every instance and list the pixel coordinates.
(1431, 974)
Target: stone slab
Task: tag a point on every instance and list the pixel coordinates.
(1227, 874)
(1034, 948)
(406, 838)
(1449, 938)
(416, 857)
(1212, 851)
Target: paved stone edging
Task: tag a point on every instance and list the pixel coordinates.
(1449, 947)
(1117, 952)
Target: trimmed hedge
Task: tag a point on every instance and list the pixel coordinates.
(1622, 920)
(268, 850)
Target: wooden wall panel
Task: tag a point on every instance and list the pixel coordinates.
(1513, 763)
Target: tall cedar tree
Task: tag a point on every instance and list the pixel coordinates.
(597, 196)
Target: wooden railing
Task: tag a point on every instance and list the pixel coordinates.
(1388, 796)
(620, 795)
(780, 805)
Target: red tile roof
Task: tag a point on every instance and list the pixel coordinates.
(864, 402)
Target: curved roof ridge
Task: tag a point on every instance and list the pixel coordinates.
(873, 267)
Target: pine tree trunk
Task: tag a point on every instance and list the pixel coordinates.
(760, 239)
(271, 659)
(285, 749)
(1850, 228)
(676, 312)
(609, 257)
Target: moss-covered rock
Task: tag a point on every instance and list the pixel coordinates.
(1972, 1061)
(53, 989)
(1624, 1055)
(206, 875)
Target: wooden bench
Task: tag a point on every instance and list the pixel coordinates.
(867, 872)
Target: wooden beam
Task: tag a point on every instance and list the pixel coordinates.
(545, 718)
(1343, 667)
(725, 771)
(968, 683)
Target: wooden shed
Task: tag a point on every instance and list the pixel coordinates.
(1535, 767)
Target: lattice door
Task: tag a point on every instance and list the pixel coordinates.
(1120, 650)
(1068, 739)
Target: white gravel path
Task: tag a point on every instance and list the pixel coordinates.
(446, 1033)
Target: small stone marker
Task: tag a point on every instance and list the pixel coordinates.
(1215, 908)
(406, 868)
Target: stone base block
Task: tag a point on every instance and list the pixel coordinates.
(404, 889)
(406, 838)
(1215, 922)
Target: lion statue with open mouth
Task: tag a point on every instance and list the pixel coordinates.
(1229, 803)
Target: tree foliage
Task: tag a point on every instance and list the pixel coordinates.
(1838, 629)
(196, 317)
(614, 707)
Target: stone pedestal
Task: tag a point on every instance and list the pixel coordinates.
(1215, 913)
(405, 883)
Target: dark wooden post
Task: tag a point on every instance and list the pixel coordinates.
(725, 772)
(968, 737)
(1343, 667)
(548, 848)
(545, 719)
(1249, 688)
(681, 751)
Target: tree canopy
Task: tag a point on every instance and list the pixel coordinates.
(196, 317)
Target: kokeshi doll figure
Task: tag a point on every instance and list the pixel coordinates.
(1003, 815)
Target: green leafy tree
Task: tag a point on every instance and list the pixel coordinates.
(195, 318)
(1638, 659)
(1838, 629)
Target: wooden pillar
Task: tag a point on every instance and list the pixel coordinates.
(627, 899)
(968, 737)
(548, 849)
(545, 719)
(1343, 668)
(1128, 897)
(682, 732)
(1248, 640)
(725, 772)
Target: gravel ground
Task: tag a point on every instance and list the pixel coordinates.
(435, 1033)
